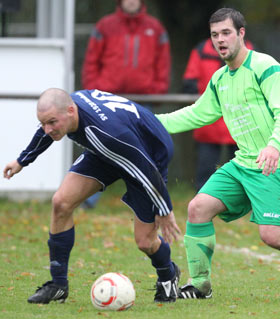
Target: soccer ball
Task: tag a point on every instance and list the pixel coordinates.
(112, 291)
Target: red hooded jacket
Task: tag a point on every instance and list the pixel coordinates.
(128, 54)
(203, 62)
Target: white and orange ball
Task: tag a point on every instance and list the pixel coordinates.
(112, 291)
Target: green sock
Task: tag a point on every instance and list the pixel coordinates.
(200, 242)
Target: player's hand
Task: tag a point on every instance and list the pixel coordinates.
(11, 169)
(269, 157)
(168, 226)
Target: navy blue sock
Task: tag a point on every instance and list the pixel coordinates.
(162, 262)
(60, 246)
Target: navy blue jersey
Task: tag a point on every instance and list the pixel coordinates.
(122, 134)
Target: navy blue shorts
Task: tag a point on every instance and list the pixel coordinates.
(136, 197)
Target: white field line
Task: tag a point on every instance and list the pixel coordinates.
(273, 257)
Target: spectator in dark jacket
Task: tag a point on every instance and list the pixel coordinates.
(203, 62)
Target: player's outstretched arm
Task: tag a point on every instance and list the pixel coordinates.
(169, 228)
(11, 169)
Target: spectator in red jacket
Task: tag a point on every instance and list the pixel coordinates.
(211, 139)
(128, 52)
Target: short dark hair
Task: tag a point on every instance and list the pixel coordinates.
(228, 13)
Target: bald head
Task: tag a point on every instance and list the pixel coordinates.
(57, 113)
(57, 98)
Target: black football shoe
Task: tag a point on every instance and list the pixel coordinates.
(50, 291)
(167, 291)
(190, 292)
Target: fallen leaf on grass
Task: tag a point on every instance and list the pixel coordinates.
(102, 314)
(108, 244)
(45, 229)
(246, 231)
(25, 221)
(254, 247)
(94, 250)
(271, 278)
(26, 274)
(80, 263)
(128, 239)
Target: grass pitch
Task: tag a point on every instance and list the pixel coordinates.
(245, 272)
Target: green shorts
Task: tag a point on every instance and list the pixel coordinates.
(243, 190)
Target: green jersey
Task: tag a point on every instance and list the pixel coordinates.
(249, 100)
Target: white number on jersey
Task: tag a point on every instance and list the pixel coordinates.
(115, 102)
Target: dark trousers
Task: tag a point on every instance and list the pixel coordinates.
(209, 157)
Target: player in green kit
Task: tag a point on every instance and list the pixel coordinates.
(246, 93)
